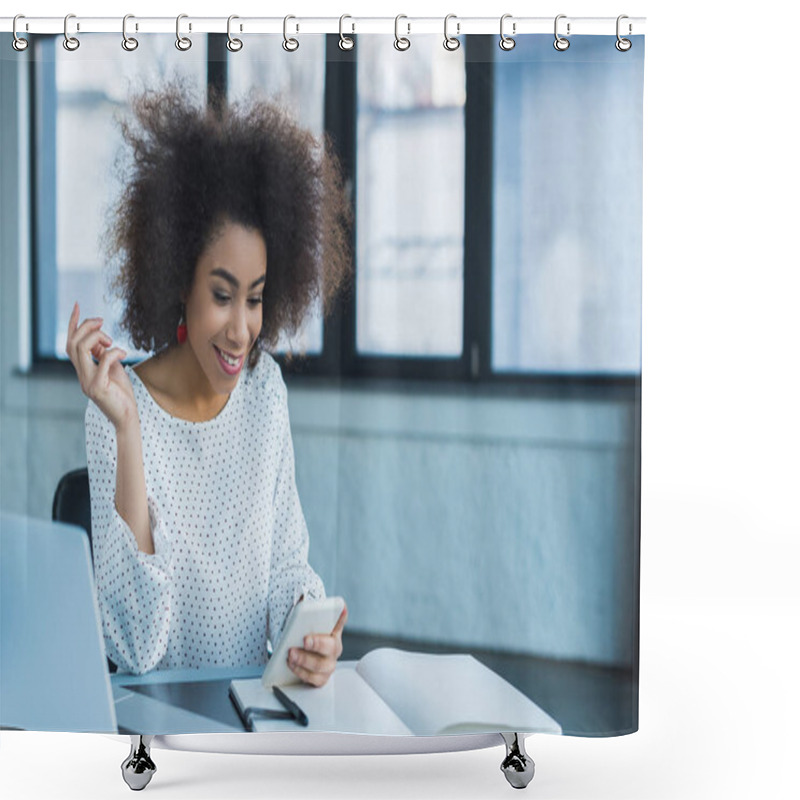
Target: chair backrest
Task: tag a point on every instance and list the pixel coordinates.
(71, 503)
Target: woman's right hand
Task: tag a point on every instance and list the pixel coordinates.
(105, 383)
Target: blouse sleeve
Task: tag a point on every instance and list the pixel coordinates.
(291, 576)
(134, 589)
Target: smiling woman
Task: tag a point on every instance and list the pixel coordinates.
(232, 222)
(194, 166)
(223, 320)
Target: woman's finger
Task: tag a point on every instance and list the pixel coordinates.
(72, 324)
(79, 356)
(340, 622)
(87, 327)
(84, 348)
(72, 327)
(314, 678)
(106, 360)
(90, 323)
(94, 338)
(316, 674)
(322, 643)
(313, 662)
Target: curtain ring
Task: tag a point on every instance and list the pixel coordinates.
(290, 45)
(182, 42)
(70, 42)
(345, 42)
(401, 43)
(450, 42)
(128, 42)
(19, 43)
(623, 44)
(561, 44)
(506, 42)
(233, 44)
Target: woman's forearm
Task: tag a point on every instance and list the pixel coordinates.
(131, 492)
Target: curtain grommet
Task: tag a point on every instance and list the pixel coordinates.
(290, 44)
(622, 44)
(183, 43)
(233, 44)
(450, 43)
(561, 44)
(19, 43)
(70, 43)
(507, 42)
(345, 42)
(128, 42)
(401, 43)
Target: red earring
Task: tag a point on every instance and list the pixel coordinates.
(181, 330)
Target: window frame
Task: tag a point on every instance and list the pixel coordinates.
(339, 360)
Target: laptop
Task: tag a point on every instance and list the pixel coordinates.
(53, 669)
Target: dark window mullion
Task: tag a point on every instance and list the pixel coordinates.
(339, 330)
(478, 231)
(217, 64)
(43, 109)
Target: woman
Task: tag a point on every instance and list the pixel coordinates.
(232, 221)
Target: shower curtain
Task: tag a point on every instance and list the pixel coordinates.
(462, 431)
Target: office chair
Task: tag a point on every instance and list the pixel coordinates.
(71, 504)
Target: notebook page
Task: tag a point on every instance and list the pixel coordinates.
(433, 694)
(346, 704)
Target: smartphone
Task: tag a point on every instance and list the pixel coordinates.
(308, 616)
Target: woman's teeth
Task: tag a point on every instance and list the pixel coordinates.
(232, 361)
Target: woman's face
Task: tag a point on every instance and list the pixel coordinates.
(224, 308)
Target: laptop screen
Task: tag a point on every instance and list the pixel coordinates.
(52, 658)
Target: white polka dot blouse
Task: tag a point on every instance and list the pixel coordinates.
(230, 539)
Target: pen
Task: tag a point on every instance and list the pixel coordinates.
(292, 707)
(246, 715)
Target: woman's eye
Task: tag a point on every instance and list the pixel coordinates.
(221, 298)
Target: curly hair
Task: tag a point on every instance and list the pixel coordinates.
(196, 166)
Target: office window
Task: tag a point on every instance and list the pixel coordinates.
(410, 206)
(297, 83)
(566, 271)
(76, 145)
(551, 281)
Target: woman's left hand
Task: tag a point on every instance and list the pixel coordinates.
(316, 661)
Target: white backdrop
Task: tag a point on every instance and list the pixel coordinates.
(719, 697)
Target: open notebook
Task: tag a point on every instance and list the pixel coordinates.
(396, 692)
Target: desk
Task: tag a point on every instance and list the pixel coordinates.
(186, 701)
(585, 699)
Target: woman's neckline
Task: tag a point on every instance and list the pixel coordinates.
(197, 423)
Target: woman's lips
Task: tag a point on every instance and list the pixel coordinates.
(226, 367)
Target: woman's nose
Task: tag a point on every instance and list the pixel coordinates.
(237, 331)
